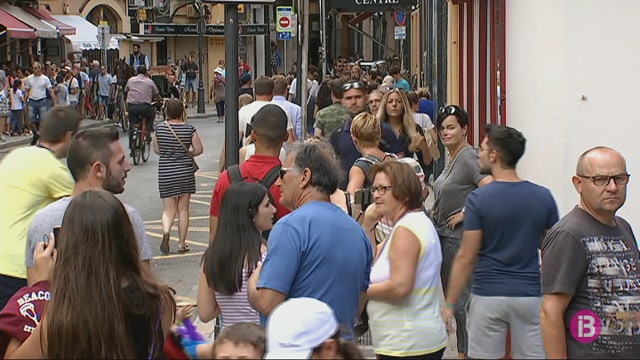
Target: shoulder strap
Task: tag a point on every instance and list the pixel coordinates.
(271, 177)
(234, 173)
(180, 141)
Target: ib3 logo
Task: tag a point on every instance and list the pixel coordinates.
(586, 326)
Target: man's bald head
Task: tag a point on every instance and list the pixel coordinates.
(597, 153)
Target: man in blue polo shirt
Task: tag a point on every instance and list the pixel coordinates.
(355, 99)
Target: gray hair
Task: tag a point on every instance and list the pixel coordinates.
(319, 157)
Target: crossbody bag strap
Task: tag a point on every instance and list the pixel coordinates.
(271, 177)
(180, 141)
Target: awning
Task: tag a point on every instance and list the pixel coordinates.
(43, 30)
(86, 37)
(16, 28)
(46, 17)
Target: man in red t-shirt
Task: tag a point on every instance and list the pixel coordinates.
(23, 313)
(269, 132)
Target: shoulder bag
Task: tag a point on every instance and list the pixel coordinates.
(193, 160)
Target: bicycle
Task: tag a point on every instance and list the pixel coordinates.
(120, 116)
(141, 141)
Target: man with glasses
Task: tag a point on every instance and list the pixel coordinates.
(354, 99)
(579, 317)
(318, 251)
(504, 223)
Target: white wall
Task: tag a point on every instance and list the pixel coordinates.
(557, 51)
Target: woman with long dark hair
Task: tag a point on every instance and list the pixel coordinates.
(246, 211)
(104, 306)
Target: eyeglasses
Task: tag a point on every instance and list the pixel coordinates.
(451, 110)
(604, 180)
(382, 189)
(353, 85)
(284, 170)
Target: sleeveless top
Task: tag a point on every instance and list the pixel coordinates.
(411, 326)
(236, 308)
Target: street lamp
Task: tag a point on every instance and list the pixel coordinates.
(201, 30)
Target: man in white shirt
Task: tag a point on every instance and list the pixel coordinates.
(311, 75)
(73, 86)
(37, 85)
(264, 94)
(294, 112)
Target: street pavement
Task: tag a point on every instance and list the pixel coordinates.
(179, 271)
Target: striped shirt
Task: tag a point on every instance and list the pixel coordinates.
(235, 308)
(140, 90)
(411, 326)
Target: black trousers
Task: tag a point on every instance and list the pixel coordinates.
(135, 112)
(9, 285)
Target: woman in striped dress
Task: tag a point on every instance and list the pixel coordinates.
(176, 178)
(237, 246)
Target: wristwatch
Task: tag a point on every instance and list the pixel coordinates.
(464, 210)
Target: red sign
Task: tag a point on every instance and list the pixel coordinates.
(285, 22)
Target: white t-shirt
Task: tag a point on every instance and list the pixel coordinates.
(424, 121)
(314, 88)
(74, 85)
(37, 86)
(246, 113)
(416, 324)
(251, 150)
(16, 103)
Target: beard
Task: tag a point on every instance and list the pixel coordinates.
(111, 184)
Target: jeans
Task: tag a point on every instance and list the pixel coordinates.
(16, 121)
(450, 247)
(37, 109)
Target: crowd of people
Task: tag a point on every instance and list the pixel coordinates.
(318, 237)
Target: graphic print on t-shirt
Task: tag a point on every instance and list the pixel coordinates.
(613, 286)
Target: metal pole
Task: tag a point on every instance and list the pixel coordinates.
(323, 37)
(299, 35)
(305, 67)
(268, 70)
(232, 131)
(201, 30)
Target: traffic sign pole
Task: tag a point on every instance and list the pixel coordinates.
(232, 128)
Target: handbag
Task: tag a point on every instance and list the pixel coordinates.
(193, 160)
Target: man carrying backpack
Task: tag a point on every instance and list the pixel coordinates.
(269, 133)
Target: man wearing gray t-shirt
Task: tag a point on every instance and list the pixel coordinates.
(96, 160)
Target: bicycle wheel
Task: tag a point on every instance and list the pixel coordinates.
(146, 151)
(137, 150)
(124, 118)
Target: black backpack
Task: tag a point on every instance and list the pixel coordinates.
(363, 197)
(267, 181)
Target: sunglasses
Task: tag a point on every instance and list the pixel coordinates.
(353, 85)
(451, 110)
(284, 170)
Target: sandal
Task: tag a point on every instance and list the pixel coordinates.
(183, 249)
(164, 246)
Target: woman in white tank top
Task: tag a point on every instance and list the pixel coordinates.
(404, 307)
(237, 246)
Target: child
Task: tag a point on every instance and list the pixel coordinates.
(17, 107)
(240, 341)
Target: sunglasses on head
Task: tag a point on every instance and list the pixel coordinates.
(353, 85)
(451, 110)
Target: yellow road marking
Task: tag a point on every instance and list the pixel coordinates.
(191, 228)
(214, 177)
(206, 196)
(200, 202)
(173, 256)
(190, 218)
(193, 242)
